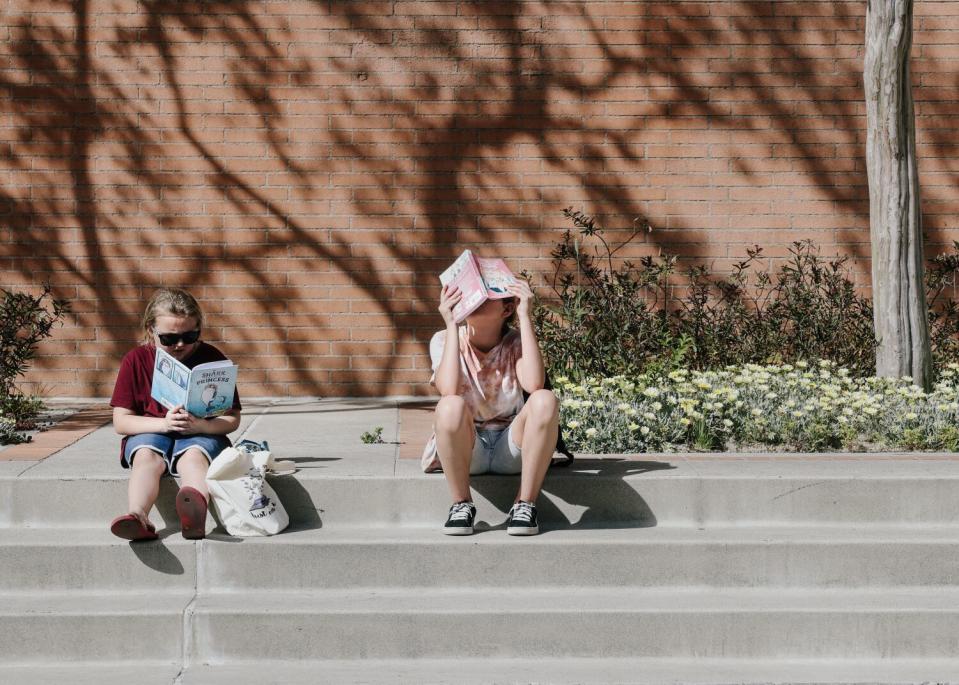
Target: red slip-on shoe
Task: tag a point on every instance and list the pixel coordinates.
(129, 527)
(191, 508)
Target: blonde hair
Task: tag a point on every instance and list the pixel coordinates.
(170, 302)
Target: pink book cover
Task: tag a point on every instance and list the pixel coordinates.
(479, 279)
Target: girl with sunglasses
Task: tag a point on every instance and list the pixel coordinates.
(159, 441)
(482, 423)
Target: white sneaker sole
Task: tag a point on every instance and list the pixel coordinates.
(523, 531)
(457, 531)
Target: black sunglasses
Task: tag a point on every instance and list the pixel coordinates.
(171, 339)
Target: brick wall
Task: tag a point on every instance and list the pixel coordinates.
(306, 168)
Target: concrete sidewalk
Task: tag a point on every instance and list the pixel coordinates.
(324, 435)
(337, 471)
(314, 433)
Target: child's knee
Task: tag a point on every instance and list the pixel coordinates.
(147, 460)
(543, 404)
(193, 459)
(451, 413)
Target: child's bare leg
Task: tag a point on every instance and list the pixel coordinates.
(192, 467)
(453, 425)
(535, 429)
(145, 473)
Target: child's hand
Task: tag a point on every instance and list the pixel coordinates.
(179, 420)
(449, 298)
(192, 424)
(524, 294)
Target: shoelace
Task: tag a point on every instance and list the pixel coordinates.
(522, 512)
(460, 511)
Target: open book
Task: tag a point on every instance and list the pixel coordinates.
(205, 390)
(479, 279)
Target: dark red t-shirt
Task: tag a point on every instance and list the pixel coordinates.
(135, 379)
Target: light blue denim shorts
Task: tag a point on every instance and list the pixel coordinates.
(171, 447)
(495, 452)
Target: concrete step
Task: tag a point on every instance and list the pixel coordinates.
(577, 622)
(596, 493)
(557, 671)
(126, 628)
(51, 627)
(648, 557)
(101, 673)
(93, 560)
(566, 671)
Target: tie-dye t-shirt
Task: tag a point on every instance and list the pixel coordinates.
(488, 381)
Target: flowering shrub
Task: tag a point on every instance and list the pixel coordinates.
(25, 321)
(608, 316)
(806, 407)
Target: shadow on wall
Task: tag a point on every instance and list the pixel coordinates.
(308, 170)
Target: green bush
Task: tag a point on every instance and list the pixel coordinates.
(611, 318)
(25, 320)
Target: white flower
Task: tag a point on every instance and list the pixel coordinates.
(649, 416)
(651, 392)
(727, 423)
(573, 425)
(644, 430)
(633, 426)
(591, 432)
(912, 416)
(657, 405)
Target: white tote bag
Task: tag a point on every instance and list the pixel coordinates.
(245, 503)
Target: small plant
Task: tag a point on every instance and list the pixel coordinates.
(25, 320)
(373, 437)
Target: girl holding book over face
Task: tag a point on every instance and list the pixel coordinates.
(158, 440)
(482, 423)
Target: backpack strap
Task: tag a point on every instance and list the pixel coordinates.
(561, 448)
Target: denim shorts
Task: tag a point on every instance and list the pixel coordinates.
(171, 447)
(495, 452)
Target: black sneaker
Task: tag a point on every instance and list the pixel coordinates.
(522, 519)
(460, 520)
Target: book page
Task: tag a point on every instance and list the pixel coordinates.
(497, 276)
(170, 381)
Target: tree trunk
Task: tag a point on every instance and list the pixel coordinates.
(895, 223)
